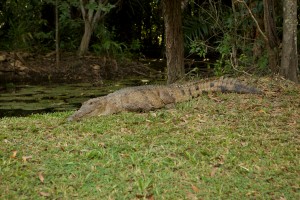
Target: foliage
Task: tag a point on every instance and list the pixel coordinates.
(103, 7)
(198, 47)
(223, 65)
(135, 45)
(70, 25)
(136, 27)
(211, 29)
(22, 37)
(18, 24)
(195, 29)
(138, 21)
(105, 43)
(133, 50)
(262, 63)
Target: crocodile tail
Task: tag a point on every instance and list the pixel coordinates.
(225, 85)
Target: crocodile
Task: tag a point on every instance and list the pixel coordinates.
(151, 97)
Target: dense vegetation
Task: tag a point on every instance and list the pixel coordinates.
(218, 30)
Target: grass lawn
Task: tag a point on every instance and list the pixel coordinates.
(219, 146)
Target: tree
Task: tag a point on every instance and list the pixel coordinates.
(270, 35)
(56, 34)
(289, 57)
(272, 38)
(174, 40)
(92, 13)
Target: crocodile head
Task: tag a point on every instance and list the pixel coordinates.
(92, 107)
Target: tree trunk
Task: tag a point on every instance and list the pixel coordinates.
(91, 17)
(272, 38)
(84, 45)
(56, 34)
(174, 40)
(289, 57)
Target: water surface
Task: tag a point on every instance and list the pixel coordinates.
(22, 100)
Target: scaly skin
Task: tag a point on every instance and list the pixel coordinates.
(146, 98)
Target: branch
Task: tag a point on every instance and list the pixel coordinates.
(235, 68)
(98, 16)
(82, 10)
(91, 12)
(254, 19)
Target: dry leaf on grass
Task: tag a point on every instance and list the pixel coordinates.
(41, 177)
(45, 194)
(218, 100)
(262, 111)
(195, 189)
(14, 155)
(25, 158)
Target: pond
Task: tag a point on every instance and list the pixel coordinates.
(23, 100)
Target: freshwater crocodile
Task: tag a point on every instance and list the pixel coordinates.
(151, 97)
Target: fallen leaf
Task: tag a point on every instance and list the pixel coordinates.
(251, 193)
(292, 123)
(262, 111)
(102, 144)
(41, 177)
(195, 189)
(25, 158)
(124, 155)
(215, 99)
(14, 155)
(201, 121)
(45, 194)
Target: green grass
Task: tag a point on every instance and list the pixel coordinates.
(225, 146)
